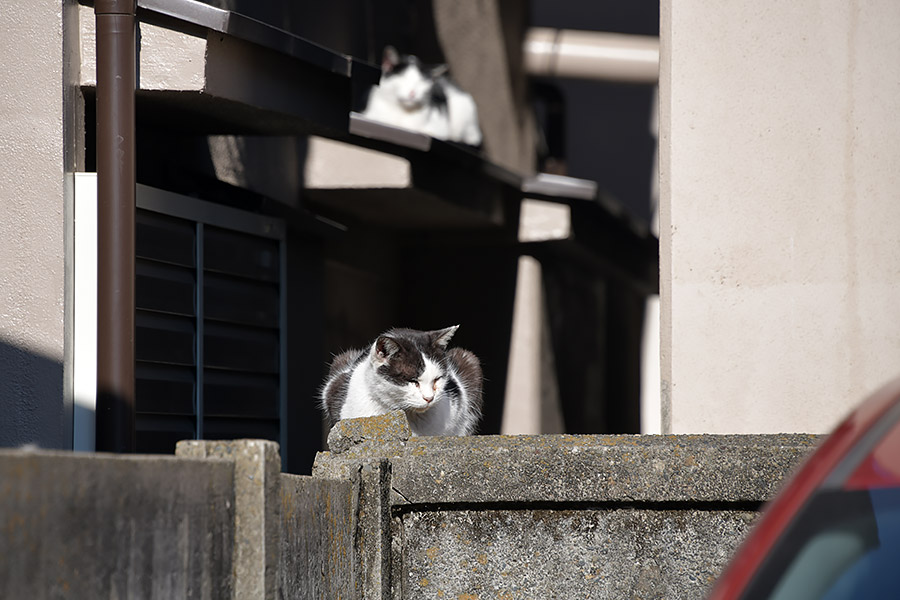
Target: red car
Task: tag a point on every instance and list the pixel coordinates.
(833, 532)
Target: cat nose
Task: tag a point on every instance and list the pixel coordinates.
(428, 399)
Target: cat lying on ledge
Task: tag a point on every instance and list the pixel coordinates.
(410, 370)
(423, 99)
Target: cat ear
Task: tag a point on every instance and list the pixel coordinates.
(389, 59)
(440, 71)
(385, 347)
(441, 337)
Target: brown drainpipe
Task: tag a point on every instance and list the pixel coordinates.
(116, 74)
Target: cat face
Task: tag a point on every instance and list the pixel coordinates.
(406, 80)
(408, 85)
(411, 365)
(423, 391)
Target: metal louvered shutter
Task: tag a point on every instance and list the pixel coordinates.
(210, 316)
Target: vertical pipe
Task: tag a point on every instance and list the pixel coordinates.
(116, 74)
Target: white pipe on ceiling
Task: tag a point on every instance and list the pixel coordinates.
(591, 55)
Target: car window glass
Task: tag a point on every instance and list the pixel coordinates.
(877, 572)
(844, 544)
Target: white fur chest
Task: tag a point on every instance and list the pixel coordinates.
(360, 401)
(383, 107)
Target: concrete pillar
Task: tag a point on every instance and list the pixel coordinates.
(482, 43)
(531, 403)
(651, 397)
(257, 511)
(779, 213)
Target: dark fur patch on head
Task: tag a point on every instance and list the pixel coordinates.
(397, 69)
(404, 61)
(405, 364)
(414, 339)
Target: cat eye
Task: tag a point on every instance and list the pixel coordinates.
(415, 381)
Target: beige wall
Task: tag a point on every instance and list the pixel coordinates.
(33, 190)
(780, 211)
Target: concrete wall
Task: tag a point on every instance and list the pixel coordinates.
(105, 526)
(317, 541)
(36, 143)
(387, 516)
(779, 211)
(606, 553)
(219, 521)
(550, 516)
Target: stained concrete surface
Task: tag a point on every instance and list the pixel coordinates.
(106, 526)
(567, 468)
(619, 553)
(553, 516)
(317, 538)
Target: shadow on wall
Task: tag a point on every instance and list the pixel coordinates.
(33, 409)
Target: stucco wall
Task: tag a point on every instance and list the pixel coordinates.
(32, 230)
(779, 212)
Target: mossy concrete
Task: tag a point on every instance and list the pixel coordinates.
(567, 468)
(602, 516)
(389, 516)
(359, 435)
(318, 529)
(587, 553)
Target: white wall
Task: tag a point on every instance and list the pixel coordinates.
(780, 211)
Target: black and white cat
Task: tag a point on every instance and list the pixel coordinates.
(423, 99)
(410, 370)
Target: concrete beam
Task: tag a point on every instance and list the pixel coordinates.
(220, 82)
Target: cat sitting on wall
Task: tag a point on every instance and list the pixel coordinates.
(423, 99)
(411, 370)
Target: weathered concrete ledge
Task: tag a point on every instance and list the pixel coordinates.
(556, 516)
(389, 516)
(565, 468)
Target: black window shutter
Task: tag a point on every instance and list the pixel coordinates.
(209, 339)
